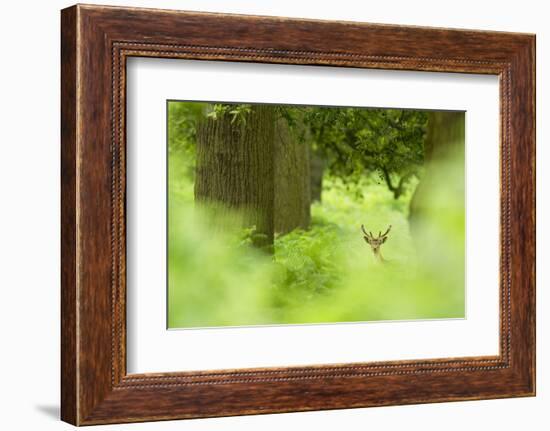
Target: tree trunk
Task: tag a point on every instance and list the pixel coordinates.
(292, 180)
(443, 166)
(317, 168)
(235, 170)
(256, 169)
(437, 210)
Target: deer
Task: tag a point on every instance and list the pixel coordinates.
(376, 242)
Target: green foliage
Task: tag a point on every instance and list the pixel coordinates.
(238, 112)
(356, 142)
(322, 275)
(326, 273)
(182, 121)
(213, 280)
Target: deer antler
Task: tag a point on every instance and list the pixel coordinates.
(385, 233)
(367, 234)
(380, 234)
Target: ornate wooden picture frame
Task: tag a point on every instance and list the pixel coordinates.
(96, 41)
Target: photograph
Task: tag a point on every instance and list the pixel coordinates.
(299, 214)
(278, 211)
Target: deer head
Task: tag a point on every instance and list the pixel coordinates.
(375, 242)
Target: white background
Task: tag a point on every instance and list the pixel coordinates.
(151, 348)
(29, 226)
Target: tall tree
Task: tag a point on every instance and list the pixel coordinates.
(234, 165)
(251, 160)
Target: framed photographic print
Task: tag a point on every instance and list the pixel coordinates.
(264, 215)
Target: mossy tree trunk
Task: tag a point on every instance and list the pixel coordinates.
(292, 180)
(235, 171)
(256, 168)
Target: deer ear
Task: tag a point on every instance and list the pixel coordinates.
(366, 240)
(384, 240)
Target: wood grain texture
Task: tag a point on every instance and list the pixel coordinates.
(69, 397)
(96, 41)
